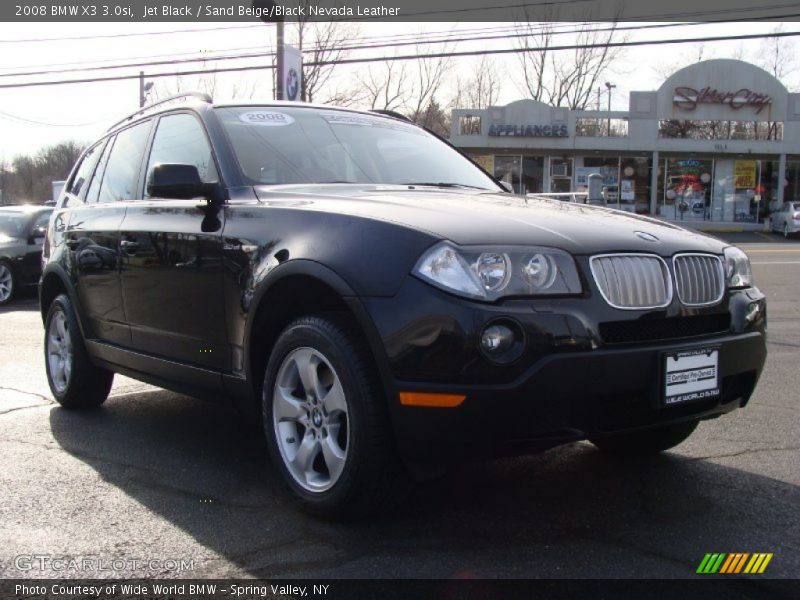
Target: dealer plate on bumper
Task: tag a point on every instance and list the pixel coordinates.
(691, 375)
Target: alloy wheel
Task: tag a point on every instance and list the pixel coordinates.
(59, 351)
(6, 283)
(311, 420)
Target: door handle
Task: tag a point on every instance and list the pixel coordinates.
(128, 246)
(72, 244)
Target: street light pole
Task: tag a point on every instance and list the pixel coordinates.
(141, 89)
(609, 86)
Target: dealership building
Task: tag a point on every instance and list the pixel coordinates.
(718, 141)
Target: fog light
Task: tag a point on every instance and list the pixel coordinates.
(497, 339)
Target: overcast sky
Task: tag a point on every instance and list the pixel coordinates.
(33, 117)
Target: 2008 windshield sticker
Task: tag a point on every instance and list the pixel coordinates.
(267, 118)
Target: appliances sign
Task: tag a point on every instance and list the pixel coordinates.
(528, 130)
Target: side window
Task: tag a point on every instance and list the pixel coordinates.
(122, 171)
(84, 171)
(41, 223)
(181, 139)
(94, 188)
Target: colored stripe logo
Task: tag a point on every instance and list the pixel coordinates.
(735, 562)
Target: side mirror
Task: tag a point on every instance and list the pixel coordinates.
(178, 181)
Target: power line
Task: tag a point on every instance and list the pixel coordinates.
(418, 42)
(411, 57)
(45, 124)
(417, 37)
(130, 34)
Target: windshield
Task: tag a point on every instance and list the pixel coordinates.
(12, 224)
(282, 145)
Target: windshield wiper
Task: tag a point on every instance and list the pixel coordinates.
(445, 184)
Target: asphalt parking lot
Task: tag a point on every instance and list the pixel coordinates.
(156, 476)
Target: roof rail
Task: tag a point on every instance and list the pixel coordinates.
(391, 113)
(199, 95)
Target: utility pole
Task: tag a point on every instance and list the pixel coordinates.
(609, 86)
(279, 76)
(597, 122)
(144, 88)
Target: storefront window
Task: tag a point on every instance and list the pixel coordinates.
(533, 174)
(560, 175)
(791, 191)
(507, 168)
(608, 168)
(687, 189)
(634, 184)
(524, 173)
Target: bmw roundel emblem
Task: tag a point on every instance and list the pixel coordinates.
(292, 84)
(647, 237)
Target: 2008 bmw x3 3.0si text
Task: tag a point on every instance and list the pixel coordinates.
(379, 302)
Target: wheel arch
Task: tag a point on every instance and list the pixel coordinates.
(298, 288)
(54, 282)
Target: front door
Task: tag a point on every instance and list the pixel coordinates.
(172, 259)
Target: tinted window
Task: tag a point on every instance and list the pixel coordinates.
(97, 178)
(180, 139)
(84, 172)
(12, 224)
(41, 221)
(122, 171)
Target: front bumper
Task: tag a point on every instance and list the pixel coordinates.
(570, 383)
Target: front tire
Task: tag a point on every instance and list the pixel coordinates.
(786, 231)
(646, 442)
(74, 381)
(326, 422)
(8, 283)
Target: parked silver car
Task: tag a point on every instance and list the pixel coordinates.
(787, 219)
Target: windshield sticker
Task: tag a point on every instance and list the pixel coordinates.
(267, 118)
(365, 121)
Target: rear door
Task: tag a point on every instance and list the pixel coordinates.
(91, 235)
(172, 258)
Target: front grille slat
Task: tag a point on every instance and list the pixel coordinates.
(632, 281)
(699, 279)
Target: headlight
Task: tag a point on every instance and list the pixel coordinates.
(492, 273)
(737, 268)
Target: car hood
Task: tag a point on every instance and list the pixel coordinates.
(469, 217)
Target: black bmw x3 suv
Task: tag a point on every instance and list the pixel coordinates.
(381, 304)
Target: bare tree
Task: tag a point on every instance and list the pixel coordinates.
(387, 87)
(431, 73)
(565, 77)
(325, 41)
(481, 90)
(777, 55)
(29, 178)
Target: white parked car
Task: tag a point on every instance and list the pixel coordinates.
(787, 219)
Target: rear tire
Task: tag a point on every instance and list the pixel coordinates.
(326, 422)
(74, 381)
(8, 283)
(646, 442)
